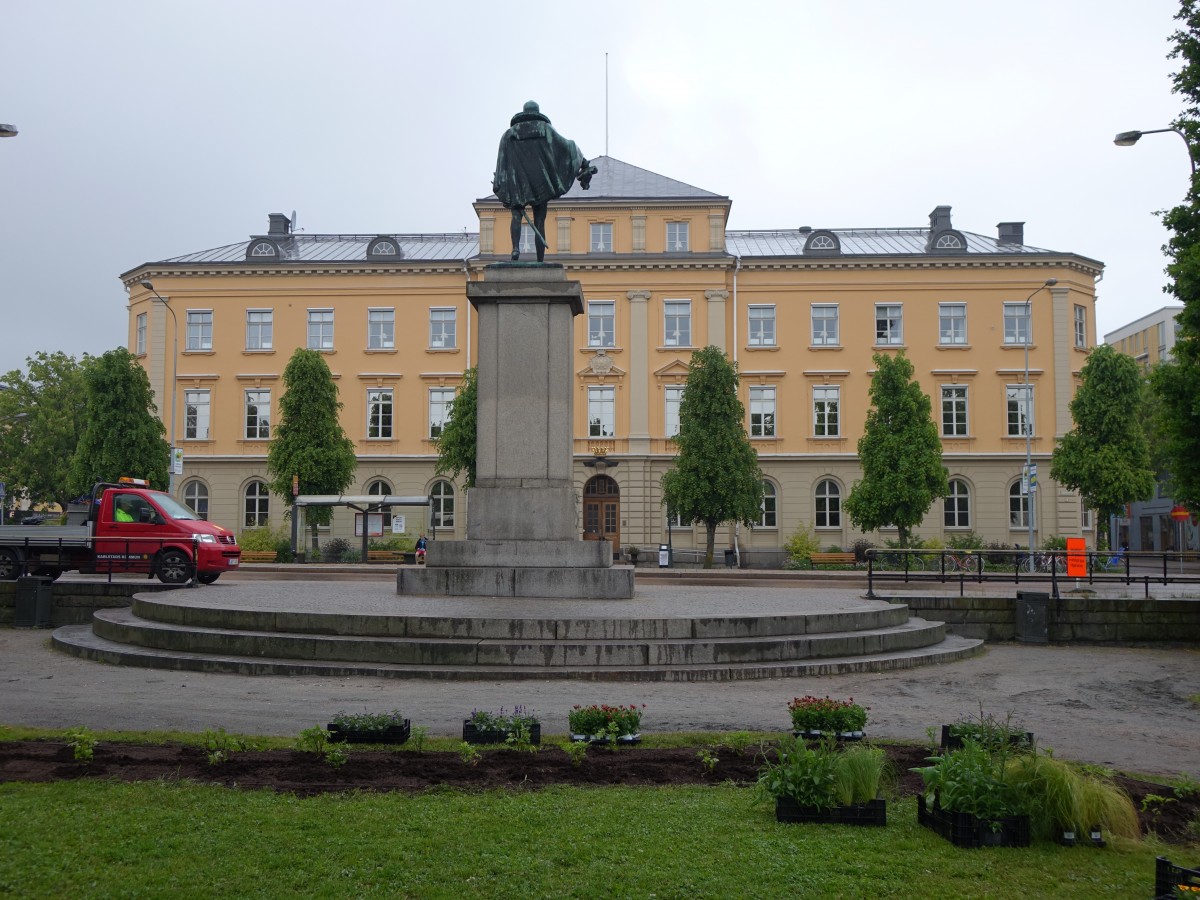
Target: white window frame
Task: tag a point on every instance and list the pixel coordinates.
(763, 418)
(199, 330)
(195, 498)
(827, 514)
(197, 414)
(956, 505)
(320, 329)
(440, 402)
(889, 324)
(260, 329)
(952, 324)
(260, 428)
(827, 410)
(826, 329)
(679, 237)
(602, 411)
(381, 328)
(761, 324)
(443, 328)
(381, 417)
(956, 410)
(1086, 520)
(602, 323)
(256, 505)
(1081, 327)
(1019, 398)
(769, 508)
(528, 241)
(672, 400)
(1018, 327)
(1018, 507)
(441, 504)
(139, 341)
(677, 323)
(600, 237)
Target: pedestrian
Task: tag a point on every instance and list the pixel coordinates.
(421, 545)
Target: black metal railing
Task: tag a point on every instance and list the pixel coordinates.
(59, 555)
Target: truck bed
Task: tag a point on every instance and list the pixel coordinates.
(44, 535)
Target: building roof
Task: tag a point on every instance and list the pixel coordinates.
(617, 180)
(346, 248)
(862, 242)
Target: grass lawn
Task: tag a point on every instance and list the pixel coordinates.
(106, 839)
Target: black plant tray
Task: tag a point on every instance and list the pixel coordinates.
(604, 738)
(395, 734)
(872, 813)
(842, 736)
(964, 830)
(954, 742)
(473, 735)
(1168, 877)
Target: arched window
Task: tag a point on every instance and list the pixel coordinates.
(829, 504)
(379, 488)
(1018, 507)
(958, 505)
(258, 505)
(769, 506)
(441, 497)
(195, 495)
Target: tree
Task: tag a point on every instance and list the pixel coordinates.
(1106, 457)
(716, 477)
(309, 441)
(900, 453)
(122, 434)
(1178, 383)
(456, 442)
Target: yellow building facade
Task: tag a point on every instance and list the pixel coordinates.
(801, 311)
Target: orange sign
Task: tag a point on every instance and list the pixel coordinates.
(1076, 558)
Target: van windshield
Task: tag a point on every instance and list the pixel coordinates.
(173, 507)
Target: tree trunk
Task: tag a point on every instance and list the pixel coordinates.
(903, 536)
(710, 529)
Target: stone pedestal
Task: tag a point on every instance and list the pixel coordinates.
(522, 530)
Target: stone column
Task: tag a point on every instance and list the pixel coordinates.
(716, 317)
(639, 372)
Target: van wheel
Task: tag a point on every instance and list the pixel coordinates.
(10, 564)
(173, 567)
(208, 577)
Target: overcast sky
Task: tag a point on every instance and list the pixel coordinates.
(154, 129)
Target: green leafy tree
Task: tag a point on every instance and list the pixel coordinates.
(456, 443)
(309, 441)
(900, 453)
(42, 413)
(122, 434)
(1106, 457)
(1178, 383)
(716, 476)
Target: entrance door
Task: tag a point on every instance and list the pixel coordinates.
(602, 511)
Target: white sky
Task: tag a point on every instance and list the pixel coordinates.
(154, 129)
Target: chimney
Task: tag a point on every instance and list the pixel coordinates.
(1012, 233)
(939, 219)
(279, 224)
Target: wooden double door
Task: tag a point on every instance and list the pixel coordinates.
(602, 511)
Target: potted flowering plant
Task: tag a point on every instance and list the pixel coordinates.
(522, 726)
(369, 728)
(600, 723)
(821, 783)
(817, 716)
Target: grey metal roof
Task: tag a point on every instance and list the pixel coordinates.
(344, 248)
(617, 180)
(862, 242)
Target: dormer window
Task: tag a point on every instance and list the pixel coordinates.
(384, 248)
(601, 237)
(822, 243)
(262, 248)
(677, 237)
(948, 242)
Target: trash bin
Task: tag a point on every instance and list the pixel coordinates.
(33, 602)
(1033, 625)
(730, 558)
(664, 556)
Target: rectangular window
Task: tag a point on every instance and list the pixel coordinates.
(825, 324)
(673, 395)
(762, 412)
(199, 329)
(677, 323)
(258, 415)
(601, 411)
(260, 329)
(1016, 323)
(1085, 516)
(440, 401)
(602, 330)
(196, 415)
(381, 329)
(952, 323)
(379, 413)
(1020, 410)
(320, 329)
(827, 411)
(601, 237)
(528, 244)
(1081, 327)
(442, 334)
(889, 323)
(762, 326)
(954, 410)
(140, 340)
(677, 237)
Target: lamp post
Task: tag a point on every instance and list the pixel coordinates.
(1129, 138)
(174, 377)
(1029, 480)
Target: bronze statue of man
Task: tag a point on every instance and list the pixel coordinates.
(534, 166)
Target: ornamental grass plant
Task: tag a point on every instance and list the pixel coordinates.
(821, 776)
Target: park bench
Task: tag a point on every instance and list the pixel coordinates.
(832, 559)
(258, 556)
(386, 556)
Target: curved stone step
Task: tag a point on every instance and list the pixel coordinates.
(81, 641)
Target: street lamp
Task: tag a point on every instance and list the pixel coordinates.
(174, 376)
(1029, 481)
(1129, 138)
(8, 130)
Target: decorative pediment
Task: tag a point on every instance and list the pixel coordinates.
(601, 367)
(675, 370)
